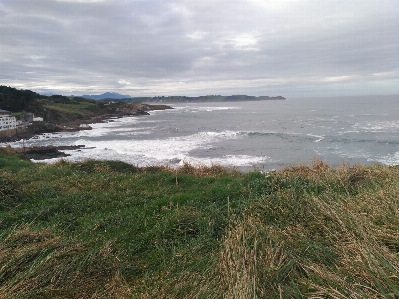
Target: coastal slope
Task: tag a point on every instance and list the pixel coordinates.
(107, 229)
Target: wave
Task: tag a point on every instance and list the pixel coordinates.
(288, 135)
(391, 159)
(149, 152)
(378, 126)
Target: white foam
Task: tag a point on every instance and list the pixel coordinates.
(158, 151)
(204, 108)
(392, 159)
(348, 132)
(378, 126)
(318, 137)
(54, 139)
(177, 160)
(231, 160)
(105, 128)
(216, 108)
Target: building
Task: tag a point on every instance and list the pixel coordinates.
(28, 117)
(7, 121)
(37, 119)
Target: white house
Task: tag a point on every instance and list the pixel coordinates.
(7, 121)
(37, 119)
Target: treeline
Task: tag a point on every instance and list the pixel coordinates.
(14, 100)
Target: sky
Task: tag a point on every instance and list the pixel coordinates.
(292, 48)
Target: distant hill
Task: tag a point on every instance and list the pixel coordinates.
(107, 95)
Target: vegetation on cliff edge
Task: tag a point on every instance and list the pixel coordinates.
(58, 109)
(106, 229)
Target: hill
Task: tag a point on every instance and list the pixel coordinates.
(107, 95)
(17, 100)
(106, 229)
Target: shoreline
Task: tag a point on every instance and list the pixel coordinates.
(51, 152)
(76, 125)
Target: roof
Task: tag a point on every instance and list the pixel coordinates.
(2, 112)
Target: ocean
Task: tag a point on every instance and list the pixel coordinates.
(262, 135)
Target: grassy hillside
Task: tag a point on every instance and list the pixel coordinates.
(104, 229)
(58, 109)
(19, 101)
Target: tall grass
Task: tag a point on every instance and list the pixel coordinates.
(105, 229)
(327, 233)
(37, 264)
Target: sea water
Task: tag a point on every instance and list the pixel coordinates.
(262, 134)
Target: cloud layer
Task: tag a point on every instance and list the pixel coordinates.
(185, 47)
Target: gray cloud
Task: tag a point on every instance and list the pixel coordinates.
(152, 47)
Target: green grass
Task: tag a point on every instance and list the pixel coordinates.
(72, 107)
(108, 229)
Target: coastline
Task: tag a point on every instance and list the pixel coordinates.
(266, 136)
(81, 124)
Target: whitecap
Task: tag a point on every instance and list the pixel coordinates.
(318, 137)
(378, 126)
(227, 161)
(391, 159)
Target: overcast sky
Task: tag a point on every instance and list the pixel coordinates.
(198, 47)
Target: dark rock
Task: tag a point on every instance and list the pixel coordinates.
(43, 152)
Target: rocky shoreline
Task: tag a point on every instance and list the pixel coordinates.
(81, 124)
(50, 152)
(47, 152)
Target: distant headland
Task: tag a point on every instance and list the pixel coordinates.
(179, 99)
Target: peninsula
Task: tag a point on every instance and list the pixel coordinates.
(24, 113)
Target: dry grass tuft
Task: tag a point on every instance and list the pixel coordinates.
(39, 265)
(317, 167)
(14, 152)
(204, 170)
(327, 242)
(251, 265)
